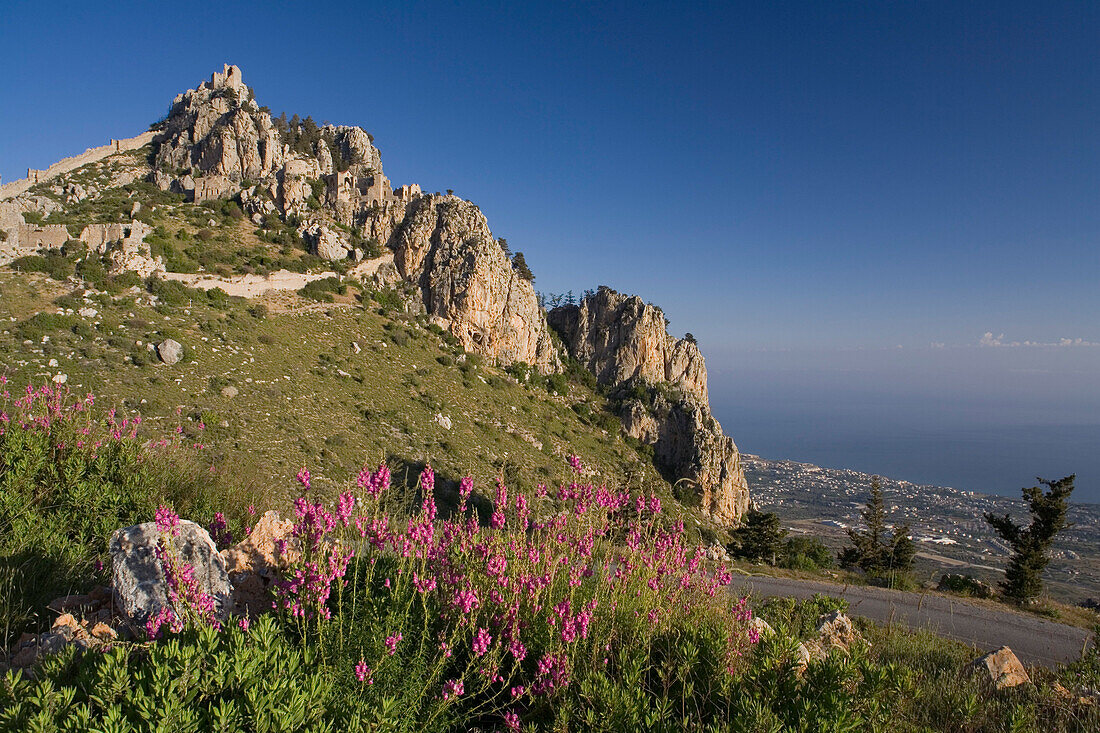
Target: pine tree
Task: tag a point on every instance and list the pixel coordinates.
(1031, 545)
(519, 264)
(759, 537)
(872, 550)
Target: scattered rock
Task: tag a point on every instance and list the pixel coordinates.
(68, 603)
(138, 579)
(170, 351)
(443, 421)
(836, 630)
(74, 192)
(1003, 668)
(103, 632)
(254, 562)
(88, 312)
(161, 180)
(763, 628)
(259, 552)
(230, 392)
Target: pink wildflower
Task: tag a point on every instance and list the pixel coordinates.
(481, 642)
(303, 478)
(452, 689)
(167, 520)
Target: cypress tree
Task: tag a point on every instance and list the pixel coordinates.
(1031, 545)
(873, 550)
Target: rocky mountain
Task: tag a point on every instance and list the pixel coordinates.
(292, 183)
(662, 383)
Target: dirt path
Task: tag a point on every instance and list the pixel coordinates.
(251, 286)
(1034, 640)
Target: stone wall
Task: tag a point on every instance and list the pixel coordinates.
(210, 188)
(37, 236)
(91, 155)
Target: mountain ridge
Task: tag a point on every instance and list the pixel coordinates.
(324, 186)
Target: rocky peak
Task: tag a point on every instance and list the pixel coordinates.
(625, 343)
(445, 247)
(218, 129)
(620, 338)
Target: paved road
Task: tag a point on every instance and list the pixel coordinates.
(1034, 640)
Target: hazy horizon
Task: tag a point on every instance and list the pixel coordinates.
(987, 419)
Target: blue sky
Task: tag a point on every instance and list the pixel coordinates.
(806, 187)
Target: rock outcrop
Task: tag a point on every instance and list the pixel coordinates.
(324, 241)
(620, 338)
(139, 583)
(661, 382)
(444, 246)
(220, 130)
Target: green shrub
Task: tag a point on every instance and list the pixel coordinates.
(322, 290)
(557, 384)
(65, 492)
(965, 585)
(53, 264)
(259, 680)
(44, 324)
(389, 300)
(798, 619)
(806, 553)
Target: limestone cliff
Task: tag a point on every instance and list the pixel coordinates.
(445, 247)
(661, 385)
(621, 338)
(219, 129)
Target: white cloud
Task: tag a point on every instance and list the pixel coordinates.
(988, 339)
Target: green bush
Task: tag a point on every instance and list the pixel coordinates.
(798, 619)
(323, 289)
(557, 384)
(259, 680)
(44, 324)
(63, 492)
(806, 553)
(53, 264)
(965, 585)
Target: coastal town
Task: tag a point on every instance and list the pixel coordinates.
(947, 524)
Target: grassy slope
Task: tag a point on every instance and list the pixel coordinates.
(306, 397)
